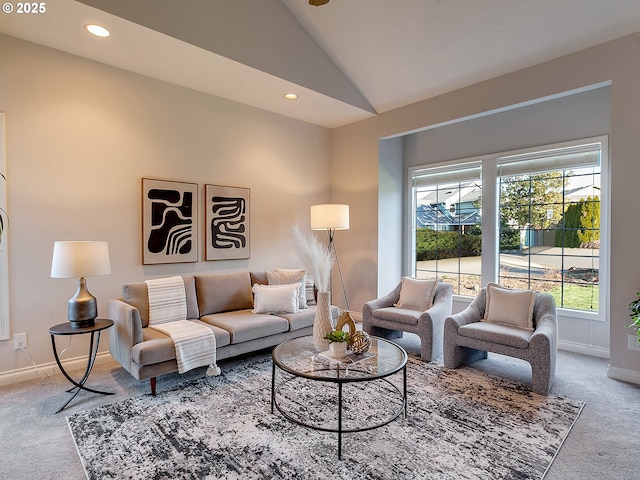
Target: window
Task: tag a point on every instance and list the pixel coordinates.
(547, 209)
(448, 226)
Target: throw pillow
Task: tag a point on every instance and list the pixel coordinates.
(275, 298)
(417, 294)
(284, 276)
(509, 307)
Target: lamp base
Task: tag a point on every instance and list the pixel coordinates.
(82, 323)
(83, 308)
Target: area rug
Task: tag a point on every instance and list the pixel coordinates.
(461, 424)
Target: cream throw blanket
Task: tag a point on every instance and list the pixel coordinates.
(195, 344)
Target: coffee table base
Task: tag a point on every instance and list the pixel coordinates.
(340, 430)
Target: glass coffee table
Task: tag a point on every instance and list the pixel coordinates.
(369, 400)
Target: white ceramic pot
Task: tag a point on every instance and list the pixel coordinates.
(338, 349)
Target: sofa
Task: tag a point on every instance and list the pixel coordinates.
(223, 302)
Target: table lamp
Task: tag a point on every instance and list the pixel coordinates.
(81, 259)
(332, 217)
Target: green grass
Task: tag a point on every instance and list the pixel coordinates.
(577, 297)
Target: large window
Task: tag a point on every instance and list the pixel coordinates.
(448, 225)
(544, 222)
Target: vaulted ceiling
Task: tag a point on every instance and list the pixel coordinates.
(346, 60)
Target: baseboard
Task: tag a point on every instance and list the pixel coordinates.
(42, 370)
(583, 349)
(624, 374)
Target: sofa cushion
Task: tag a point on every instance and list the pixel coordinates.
(417, 294)
(283, 276)
(259, 277)
(223, 292)
(406, 316)
(276, 298)
(243, 325)
(157, 347)
(497, 333)
(137, 295)
(509, 307)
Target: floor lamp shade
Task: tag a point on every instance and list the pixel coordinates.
(79, 260)
(330, 216)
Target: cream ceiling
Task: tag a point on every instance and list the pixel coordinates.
(347, 60)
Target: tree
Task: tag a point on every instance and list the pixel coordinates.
(590, 220)
(568, 234)
(532, 200)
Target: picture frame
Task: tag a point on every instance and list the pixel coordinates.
(227, 223)
(169, 221)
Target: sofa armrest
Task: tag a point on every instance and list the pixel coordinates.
(473, 313)
(126, 331)
(386, 300)
(442, 301)
(546, 330)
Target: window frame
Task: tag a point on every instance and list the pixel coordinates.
(490, 257)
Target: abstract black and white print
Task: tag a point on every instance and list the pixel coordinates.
(168, 216)
(227, 222)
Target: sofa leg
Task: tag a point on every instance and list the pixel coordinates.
(153, 386)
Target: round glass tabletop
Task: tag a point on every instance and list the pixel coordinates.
(299, 357)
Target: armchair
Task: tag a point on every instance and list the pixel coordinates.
(467, 339)
(382, 319)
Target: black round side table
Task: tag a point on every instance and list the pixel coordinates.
(68, 329)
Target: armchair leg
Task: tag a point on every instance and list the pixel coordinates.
(541, 380)
(456, 356)
(153, 386)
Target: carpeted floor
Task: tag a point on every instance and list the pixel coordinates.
(35, 443)
(462, 424)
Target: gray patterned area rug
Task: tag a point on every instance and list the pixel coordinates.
(461, 424)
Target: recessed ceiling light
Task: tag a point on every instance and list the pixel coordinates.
(290, 96)
(97, 30)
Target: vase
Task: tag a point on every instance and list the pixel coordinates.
(322, 322)
(338, 349)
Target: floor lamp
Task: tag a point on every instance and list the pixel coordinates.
(332, 217)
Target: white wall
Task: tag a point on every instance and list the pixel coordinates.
(355, 154)
(81, 135)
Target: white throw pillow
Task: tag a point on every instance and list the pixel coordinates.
(509, 307)
(417, 294)
(284, 276)
(275, 298)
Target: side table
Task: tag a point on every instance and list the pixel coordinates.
(94, 330)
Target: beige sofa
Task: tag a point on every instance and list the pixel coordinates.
(221, 301)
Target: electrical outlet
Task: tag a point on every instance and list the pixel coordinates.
(632, 343)
(19, 341)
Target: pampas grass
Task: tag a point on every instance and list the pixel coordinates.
(315, 258)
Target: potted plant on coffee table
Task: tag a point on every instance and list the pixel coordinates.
(337, 343)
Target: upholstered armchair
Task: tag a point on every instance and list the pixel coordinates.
(469, 335)
(382, 318)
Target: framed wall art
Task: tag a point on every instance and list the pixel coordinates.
(227, 233)
(169, 228)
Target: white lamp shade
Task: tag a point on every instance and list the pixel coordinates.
(80, 259)
(330, 216)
